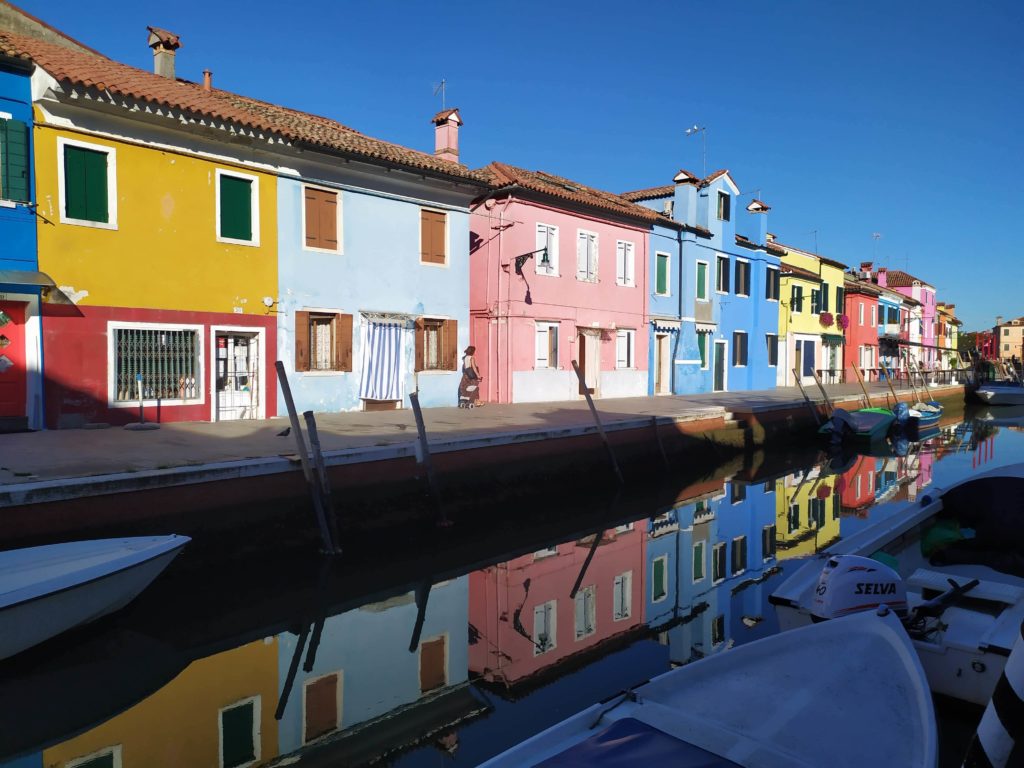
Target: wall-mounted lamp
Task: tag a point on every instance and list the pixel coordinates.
(270, 302)
(544, 260)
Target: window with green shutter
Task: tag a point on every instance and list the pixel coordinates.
(235, 208)
(658, 582)
(702, 281)
(661, 279)
(238, 746)
(104, 760)
(702, 345)
(85, 184)
(14, 160)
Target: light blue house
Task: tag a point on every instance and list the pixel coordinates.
(21, 356)
(373, 300)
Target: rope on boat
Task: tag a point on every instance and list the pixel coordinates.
(999, 741)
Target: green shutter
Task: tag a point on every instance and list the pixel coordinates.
(14, 162)
(702, 280)
(659, 579)
(237, 729)
(235, 208)
(661, 284)
(702, 345)
(85, 184)
(698, 562)
(101, 761)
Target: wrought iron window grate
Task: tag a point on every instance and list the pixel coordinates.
(166, 359)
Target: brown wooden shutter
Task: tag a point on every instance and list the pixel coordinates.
(426, 233)
(321, 707)
(302, 341)
(312, 218)
(420, 342)
(432, 237)
(440, 220)
(432, 663)
(450, 339)
(329, 220)
(343, 342)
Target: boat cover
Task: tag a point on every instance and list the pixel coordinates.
(629, 742)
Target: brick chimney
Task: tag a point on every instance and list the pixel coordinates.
(164, 45)
(684, 200)
(446, 134)
(883, 277)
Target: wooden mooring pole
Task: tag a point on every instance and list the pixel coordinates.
(800, 385)
(424, 457)
(817, 380)
(597, 421)
(324, 484)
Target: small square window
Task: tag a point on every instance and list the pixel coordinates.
(724, 206)
(237, 208)
(437, 346)
(87, 181)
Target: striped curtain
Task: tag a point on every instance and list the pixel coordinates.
(382, 362)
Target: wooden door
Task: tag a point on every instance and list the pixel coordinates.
(659, 368)
(433, 663)
(13, 368)
(590, 361)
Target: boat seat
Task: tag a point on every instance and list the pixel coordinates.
(993, 591)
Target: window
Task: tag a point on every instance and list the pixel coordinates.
(718, 563)
(739, 348)
(893, 316)
(547, 237)
(622, 598)
(768, 542)
(724, 205)
(771, 285)
(545, 636)
(239, 734)
(702, 281)
(433, 237)
(793, 517)
(87, 178)
(167, 358)
(722, 274)
(661, 275)
(586, 256)
(860, 313)
(323, 341)
(1006, 347)
(816, 511)
(437, 344)
(547, 345)
(659, 578)
(109, 757)
(698, 561)
(815, 301)
(237, 208)
(1006, 331)
(433, 664)
(625, 348)
(742, 278)
(772, 341)
(796, 299)
(320, 219)
(702, 347)
(824, 297)
(321, 711)
(840, 298)
(586, 613)
(14, 159)
(624, 256)
(546, 552)
(872, 316)
(718, 629)
(737, 492)
(739, 554)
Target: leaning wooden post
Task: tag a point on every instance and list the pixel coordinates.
(814, 411)
(863, 387)
(817, 380)
(425, 459)
(657, 436)
(888, 380)
(293, 418)
(325, 484)
(597, 420)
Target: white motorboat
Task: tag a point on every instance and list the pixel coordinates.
(963, 646)
(47, 590)
(849, 692)
(1003, 393)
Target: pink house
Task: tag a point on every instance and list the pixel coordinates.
(557, 273)
(528, 623)
(925, 352)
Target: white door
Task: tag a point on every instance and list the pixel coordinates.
(237, 395)
(592, 374)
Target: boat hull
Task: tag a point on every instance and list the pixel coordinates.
(1001, 395)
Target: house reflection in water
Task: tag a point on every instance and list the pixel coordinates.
(807, 509)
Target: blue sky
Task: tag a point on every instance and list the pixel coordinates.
(850, 119)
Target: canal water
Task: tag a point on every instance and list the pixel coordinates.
(240, 656)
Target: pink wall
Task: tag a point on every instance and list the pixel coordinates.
(508, 229)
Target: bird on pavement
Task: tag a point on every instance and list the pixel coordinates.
(284, 432)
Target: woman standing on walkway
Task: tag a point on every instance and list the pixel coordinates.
(469, 386)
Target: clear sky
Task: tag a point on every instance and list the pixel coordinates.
(896, 118)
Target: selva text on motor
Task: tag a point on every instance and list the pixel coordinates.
(875, 589)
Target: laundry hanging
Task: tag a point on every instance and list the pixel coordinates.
(382, 361)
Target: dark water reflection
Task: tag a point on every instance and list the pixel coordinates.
(451, 671)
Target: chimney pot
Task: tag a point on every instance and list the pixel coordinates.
(207, 80)
(446, 134)
(164, 45)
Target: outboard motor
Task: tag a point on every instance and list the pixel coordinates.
(851, 584)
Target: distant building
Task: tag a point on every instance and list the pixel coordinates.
(861, 332)
(1009, 339)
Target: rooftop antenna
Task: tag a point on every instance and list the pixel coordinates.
(703, 131)
(441, 89)
(815, 233)
(875, 237)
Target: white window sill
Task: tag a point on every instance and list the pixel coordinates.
(323, 250)
(321, 373)
(442, 265)
(662, 295)
(154, 402)
(703, 301)
(91, 224)
(722, 293)
(743, 295)
(434, 372)
(547, 274)
(625, 285)
(8, 204)
(622, 618)
(586, 280)
(233, 241)
(659, 599)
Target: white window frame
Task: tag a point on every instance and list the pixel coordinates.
(792, 304)
(664, 584)
(547, 325)
(339, 676)
(718, 210)
(622, 595)
(112, 325)
(743, 566)
(114, 751)
(629, 335)
(668, 273)
(873, 315)
(702, 546)
(590, 277)
(750, 277)
(111, 153)
(768, 281)
(551, 608)
(860, 314)
(540, 554)
(719, 547)
(718, 272)
(776, 337)
(718, 630)
(302, 199)
(256, 733)
(709, 340)
(625, 263)
(589, 612)
(747, 337)
(447, 238)
(255, 190)
(707, 280)
(549, 233)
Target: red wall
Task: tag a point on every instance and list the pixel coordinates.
(859, 335)
(75, 349)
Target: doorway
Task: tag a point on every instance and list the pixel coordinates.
(589, 344)
(803, 360)
(13, 362)
(237, 388)
(720, 380)
(662, 364)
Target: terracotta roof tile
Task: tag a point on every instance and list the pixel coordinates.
(825, 259)
(502, 175)
(167, 38)
(444, 114)
(87, 70)
(805, 274)
(897, 278)
(651, 193)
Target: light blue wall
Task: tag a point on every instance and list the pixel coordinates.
(370, 647)
(18, 224)
(379, 270)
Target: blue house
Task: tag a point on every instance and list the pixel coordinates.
(21, 360)
(373, 300)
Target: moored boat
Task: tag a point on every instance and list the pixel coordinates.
(864, 426)
(50, 589)
(806, 698)
(1001, 393)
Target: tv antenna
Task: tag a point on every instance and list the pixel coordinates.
(703, 131)
(875, 237)
(441, 89)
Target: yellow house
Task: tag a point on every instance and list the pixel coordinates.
(218, 712)
(811, 302)
(807, 512)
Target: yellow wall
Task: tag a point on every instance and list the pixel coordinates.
(806, 539)
(164, 253)
(178, 726)
(801, 322)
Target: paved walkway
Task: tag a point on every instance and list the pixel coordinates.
(41, 457)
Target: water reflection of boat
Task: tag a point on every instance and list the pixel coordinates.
(1008, 416)
(808, 699)
(47, 590)
(971, 530)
